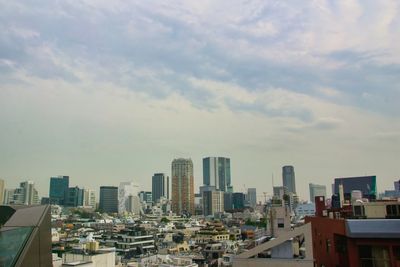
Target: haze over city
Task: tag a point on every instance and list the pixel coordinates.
(111, 91)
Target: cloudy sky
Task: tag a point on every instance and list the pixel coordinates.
(110, 91)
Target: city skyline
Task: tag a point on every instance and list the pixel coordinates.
(113, 91)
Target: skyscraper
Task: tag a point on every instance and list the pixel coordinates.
(182, 186)
(217, 172)
(288, 179)
(252, 197)
(74, 197)
(159, 186)
(58, 189)
(213, 202)
(108, 199)
(317, 191)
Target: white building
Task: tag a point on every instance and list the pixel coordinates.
(89, 198)
(126, 196)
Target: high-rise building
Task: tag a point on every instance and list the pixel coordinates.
(146, 197)
(74, 197)
(217, 173)
(159, 186)
(366, 184)
(397, 185)
(228, 204)
(108, 199)
(1, 191)
(58, 189)
(238, 200)
(213, 202)
(126, 189)
(288, 179)
(89, 198)
(25, 194)
(252, 197)
(182, 186)
(317, 191)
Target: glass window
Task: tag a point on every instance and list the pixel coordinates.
(11, 244)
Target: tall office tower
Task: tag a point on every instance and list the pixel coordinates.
(58, 189)
(133, 205)
(252, 197)
(159, 186)
(74, 197)
(108, 199)
(125, 190)
(238, 200)
(8, 196)
(1, 191)
(228, 204)
(288, 179)
(317, 191)
(217, 173)
(397, 185)
(213, 202)
(182, 186)
(89, 198)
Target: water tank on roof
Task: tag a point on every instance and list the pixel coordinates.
(356, 195)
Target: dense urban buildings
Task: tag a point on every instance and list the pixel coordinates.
(366, 184)
(217, 173)
(288, 179)
(58, 189)
(159, 186)
(25, 194)
(74, 197)
(108, 199)
(182, 186)
(316, 190)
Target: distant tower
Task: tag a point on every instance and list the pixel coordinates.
(288, 179)
(125, 190)
(217, 172)
(58, 189)
(159, 186)
(108, 199)
(252, 196)
(182, 186)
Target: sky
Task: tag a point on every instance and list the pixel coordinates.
(111, 91)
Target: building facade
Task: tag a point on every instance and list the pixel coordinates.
(252, 197)
(182, 186)
(159, 186)
(217, 173)
(213, 202)
(89, 198)
(126, 189)
(108, 199)
(288, 179)
(316, 190)
(74, 197)
(58, 189)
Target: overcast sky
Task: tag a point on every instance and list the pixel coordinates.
(111, 91)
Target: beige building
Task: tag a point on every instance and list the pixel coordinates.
(182, 186)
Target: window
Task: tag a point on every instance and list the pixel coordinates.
(374, 256)
(281, 223)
